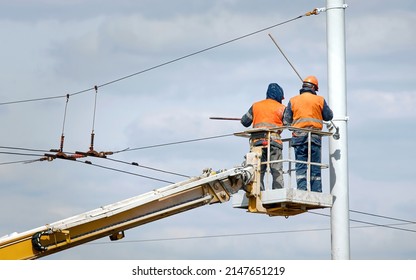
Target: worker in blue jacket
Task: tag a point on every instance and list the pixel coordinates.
(307, 110)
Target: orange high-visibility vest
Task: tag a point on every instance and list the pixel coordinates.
(307, 110)
(268, 113)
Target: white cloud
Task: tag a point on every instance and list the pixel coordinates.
(388, 32)
(391, 105)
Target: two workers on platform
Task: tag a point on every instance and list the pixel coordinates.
(307, 110)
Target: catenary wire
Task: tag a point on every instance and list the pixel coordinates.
(23, 149)
(381, 216)
(370, 223)
(164, 171)
(93, 164)
(165, 181)
(216, 236)
(173, 173)
(123, 171)
(19, 161)
(45, 98)
(175, 143)
(156, 66)
(21, 154)
(203, 50)
(143, 71)
(139, 148)
(375, 215)
(133, 149)
(146, 70)
(136, 174)
(392, 226)
(147, 167)
(229, 235)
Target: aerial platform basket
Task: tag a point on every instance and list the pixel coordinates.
(287, 201)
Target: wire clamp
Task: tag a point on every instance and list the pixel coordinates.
(315, 11)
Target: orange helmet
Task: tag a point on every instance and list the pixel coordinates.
(312, 80)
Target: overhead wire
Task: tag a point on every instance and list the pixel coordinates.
(371, 223)
(120, 161)
(18, 161)
(123, 171)
(159, 65)
(20, 154)
(143, 71)
(175, 143)
(381, 216)
(45, 98)
(140, 72)
(203, 50)
(22, 149)
(368, 224)
(41, 158)
(32, 100)
(165, 181)
(135, 74)
(215, 236)
(236, 234)
(173, 173)
(147, 167)
(134, 149)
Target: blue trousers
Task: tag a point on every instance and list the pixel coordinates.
(301, 153)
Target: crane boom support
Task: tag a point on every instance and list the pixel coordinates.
(112, 220)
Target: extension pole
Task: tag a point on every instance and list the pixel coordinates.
(288, 61)
(225, 119)
(338, 149)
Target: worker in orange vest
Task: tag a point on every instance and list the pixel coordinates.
(268, 113)
(307, 110)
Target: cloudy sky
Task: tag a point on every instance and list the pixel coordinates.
(53, 48)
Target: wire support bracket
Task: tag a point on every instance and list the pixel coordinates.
(317, 11)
